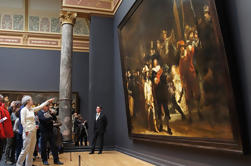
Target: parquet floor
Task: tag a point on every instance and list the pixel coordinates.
(108, 158)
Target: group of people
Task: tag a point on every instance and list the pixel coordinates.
(26, 130)
(80, 130)
(174, 69)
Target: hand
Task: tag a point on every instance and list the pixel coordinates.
(51, 100)
(26, 133)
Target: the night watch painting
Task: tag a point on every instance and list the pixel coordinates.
(175, 70)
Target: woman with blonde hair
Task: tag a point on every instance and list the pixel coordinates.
(27, 117)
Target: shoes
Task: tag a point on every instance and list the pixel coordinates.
(92, 152)
(169, 131)
(45, 163)
(100, 152)
(58, 163)
(9, 162)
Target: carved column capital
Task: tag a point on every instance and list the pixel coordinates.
(67, 17)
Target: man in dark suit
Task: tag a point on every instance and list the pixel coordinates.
(99, 129)
(46, 129)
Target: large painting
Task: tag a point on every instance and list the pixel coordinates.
(175, 73)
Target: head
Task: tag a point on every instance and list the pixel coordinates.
(75, 115)
(164, 34)
(6, 101)
(46, 108)
(73, 105)
(191, 35)
(138, 72)
(207, 16)
(152, 51)
(53, 111)
(181, 45)
(17, 108)
(13, 104)
(158, 44)
(143, 55)
(27, 101)
(1, 98)
(147, 74)
(196, 35)
(155, 62)
(98, 109)
(129, 74)
(18, 103)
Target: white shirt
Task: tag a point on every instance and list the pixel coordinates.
(28, 117)
(15, 128)
(97, 115)
(148, 91)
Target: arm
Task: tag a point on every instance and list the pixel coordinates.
(105, 122)
(43, 116)
(181, 94)
(145, 90)
(42, 105)
(15, 128)
(57, 124)
(23, 118)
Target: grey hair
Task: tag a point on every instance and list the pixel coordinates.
(25, 99)
(1, 97)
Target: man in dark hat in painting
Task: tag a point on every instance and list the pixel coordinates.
(160, 89)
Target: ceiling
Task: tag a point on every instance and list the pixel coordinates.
(93, 7)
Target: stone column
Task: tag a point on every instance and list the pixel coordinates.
(65, 88)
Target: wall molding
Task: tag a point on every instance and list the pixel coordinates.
(150, 158)
(15, 39)
(93, 9)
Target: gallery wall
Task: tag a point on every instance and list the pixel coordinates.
(101, 73)
(160, 154)
(38, 70)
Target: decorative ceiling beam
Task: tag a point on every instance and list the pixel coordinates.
(92, 7)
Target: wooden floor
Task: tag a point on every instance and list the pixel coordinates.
(108, 158)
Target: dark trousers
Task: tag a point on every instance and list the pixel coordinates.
(10, 149)
(176, 106)
(48, 137)
(19, 144)
(98, 136)
(163, 103)
(1, 147)
(81, 139)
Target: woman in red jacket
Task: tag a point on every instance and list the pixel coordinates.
(5, 125)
